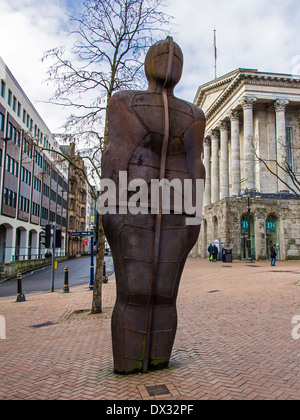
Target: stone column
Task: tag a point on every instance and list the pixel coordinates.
(224, 169)
(280, 106)
(215, 186)
(235, 153)
(249, 173)
(207, 194)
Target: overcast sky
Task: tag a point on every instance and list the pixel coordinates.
(256, 34)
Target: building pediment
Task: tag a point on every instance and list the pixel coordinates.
(213, 91)
(213, 95)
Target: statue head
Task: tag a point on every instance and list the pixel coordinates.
(163, 64)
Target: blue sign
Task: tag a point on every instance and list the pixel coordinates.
(244, 224)
(270, 225)
(81, 233)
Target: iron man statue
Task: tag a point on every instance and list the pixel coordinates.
(152, 135)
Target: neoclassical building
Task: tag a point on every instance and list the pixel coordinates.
(251, 114)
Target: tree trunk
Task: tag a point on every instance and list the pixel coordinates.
(97, 290)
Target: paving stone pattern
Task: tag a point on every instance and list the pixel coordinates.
(234, 340)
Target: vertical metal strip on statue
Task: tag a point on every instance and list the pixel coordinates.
(159, 215)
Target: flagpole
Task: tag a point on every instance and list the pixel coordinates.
(215, 51)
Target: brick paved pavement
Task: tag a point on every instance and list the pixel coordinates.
(234, 340)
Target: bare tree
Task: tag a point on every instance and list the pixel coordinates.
(291, 180)
(112, 37)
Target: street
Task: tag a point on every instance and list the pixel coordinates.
(39, 280)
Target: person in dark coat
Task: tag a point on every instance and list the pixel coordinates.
(273, 255)
(215, 252)
(210, 250)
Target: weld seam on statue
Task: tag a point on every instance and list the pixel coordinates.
(159, 216)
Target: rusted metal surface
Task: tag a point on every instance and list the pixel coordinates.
(152, 135)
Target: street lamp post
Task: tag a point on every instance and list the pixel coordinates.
(250, 194)
(249, 259)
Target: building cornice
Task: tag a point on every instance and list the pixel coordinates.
(235, 80)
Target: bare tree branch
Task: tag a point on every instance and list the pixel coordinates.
(112, 37)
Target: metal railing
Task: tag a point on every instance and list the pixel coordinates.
(9, 254)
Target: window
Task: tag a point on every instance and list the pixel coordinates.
(14, 199)
(45, 213)
(24, 116)
(23, 204)
(7, 163)
(9, 131)
(16, 168)
(1, 122)
(54, 175)
(53, 195)
(14, 103)
(46, 190)
(10, 198)
(26, 176)
(12, 165)
(35, 211)
(37, 184)
(5, 196)
(9, 98)
(2, 89)
(15, 136)
(289, 140)
(38, 159)
(19, 109)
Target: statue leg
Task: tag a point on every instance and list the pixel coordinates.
(143, 318)
(176, 241)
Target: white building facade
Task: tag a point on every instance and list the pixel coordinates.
(252, 122)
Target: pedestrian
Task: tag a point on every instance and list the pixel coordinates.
(215, 253)
(210, 250)
(273, 255)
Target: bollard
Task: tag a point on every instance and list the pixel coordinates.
(20, 295)
(105, 279)
(66, 280)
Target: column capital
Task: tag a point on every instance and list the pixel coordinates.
(281, 104)
(206, 142)
(248, 102)
(224, 125)
(215, 134)
(234, 115)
